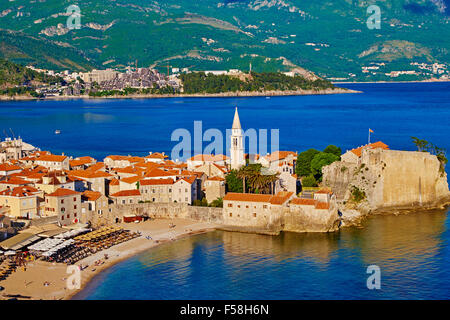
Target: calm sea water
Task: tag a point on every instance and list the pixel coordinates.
(411, 250)
(102, 127)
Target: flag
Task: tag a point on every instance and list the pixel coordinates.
(370, 130)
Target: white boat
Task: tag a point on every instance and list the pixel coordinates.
(57, 131)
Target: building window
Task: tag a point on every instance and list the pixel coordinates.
(75, 214)
(62, 217)
(68, 216)
(231, 215)
(62, 200)
(254, 214)
(75, 206)
(74, 199)
(265, 206)
(246, 207)
(230, 205)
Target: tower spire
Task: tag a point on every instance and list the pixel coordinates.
(236, 121)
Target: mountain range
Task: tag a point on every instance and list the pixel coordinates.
(330, 38)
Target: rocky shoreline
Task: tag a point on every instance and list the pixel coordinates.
(197, 95)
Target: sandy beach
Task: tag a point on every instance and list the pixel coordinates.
(48, 281)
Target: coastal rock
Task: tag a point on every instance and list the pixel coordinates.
(383, 180)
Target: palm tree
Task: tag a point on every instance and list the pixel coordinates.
(256, 180)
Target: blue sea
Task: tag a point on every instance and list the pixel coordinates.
(412, 251)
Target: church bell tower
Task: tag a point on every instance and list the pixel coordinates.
(237, 143)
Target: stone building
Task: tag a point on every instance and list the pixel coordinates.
(214, 188)
(185, 190)
(53, 162)
(64, 203)
(7, 169)
(126, 197)
(94, 201)
(23, 202)
(156, 190)
(11, 149)
(254, 210)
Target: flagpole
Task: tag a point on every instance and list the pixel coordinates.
(369, 135)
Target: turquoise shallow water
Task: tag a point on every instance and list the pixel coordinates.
(412, 251)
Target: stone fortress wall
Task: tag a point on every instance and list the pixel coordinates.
(390, 179)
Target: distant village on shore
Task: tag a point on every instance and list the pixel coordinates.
(145, 80)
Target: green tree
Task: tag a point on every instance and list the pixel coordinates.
(333, 149)
(218, 203)
(303, 166)
(320, 160)
(422, 145)
(309, 181)
(234, 184)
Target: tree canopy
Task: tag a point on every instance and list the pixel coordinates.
(320, 160)
(303, 166)
(234, 184)
(333, 149)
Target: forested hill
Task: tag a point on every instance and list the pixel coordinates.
(12, 74)
(199, 82)
(329, 38)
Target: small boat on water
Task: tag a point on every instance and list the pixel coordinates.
(57, 131)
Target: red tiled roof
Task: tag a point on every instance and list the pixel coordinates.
(304, 202)
(158, 173)
(15, 180)
(208, 157)
(131, 180)
(97, 166)
(91, 195)
(156, 155)
(311, 202)
(153, 182)
(279, 155)
(126, 193)
(250, 197)
(216, 179)
(190, 179)
(81, 161)
(9, 167)
(89, 174)
(114, 182)
(322, 205)
(324, 191)
(374, 145)
(19, 191)
(61, 192)
(51, 158)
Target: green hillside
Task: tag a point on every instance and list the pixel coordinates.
(40, 52)
(12, 74)
(330, 38)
